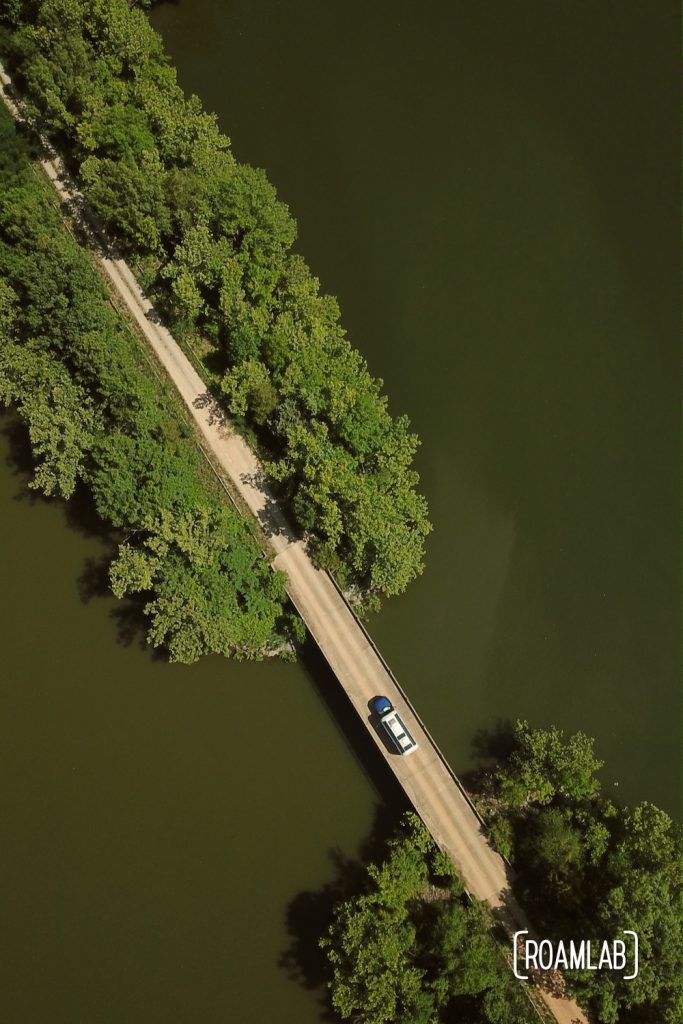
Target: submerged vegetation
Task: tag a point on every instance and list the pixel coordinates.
(211, 239)
(98, 416)
(588, 868)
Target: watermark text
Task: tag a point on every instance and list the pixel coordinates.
(618, 955)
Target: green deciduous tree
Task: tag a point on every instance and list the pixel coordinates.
(95, 412)
(639, 888)
(129, 196)
(543, 765)
(407, 947)
(211, 590)
(557, 846)
(591, 867)
(135, 476)
(249, 389)
(216, 243)
(59, 415)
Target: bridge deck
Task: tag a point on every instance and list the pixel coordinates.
(427, 780)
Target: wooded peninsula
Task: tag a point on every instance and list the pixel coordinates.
(100, 418)
(212, 243)
(403, 943)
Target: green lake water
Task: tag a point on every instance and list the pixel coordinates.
(487, 190)
(159, 822)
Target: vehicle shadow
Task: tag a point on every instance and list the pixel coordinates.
(351, 727)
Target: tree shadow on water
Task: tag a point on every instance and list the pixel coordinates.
(94, 579)
(495, 744)
(128, 614)
(307, 919)
(490, 747)
(309, 914)
(19, 457)
(79, 510)
(132, 624)
(80, 516)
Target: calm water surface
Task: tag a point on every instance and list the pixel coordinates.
(157, 820)
(486, 189)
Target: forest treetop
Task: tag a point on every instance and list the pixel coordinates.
(210, 238)
(99, 418)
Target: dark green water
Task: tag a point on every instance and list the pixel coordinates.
(487, 189)
(157, 820)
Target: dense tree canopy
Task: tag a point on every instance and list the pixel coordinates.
(409, 949)
(404, 946)
(588, 868)
(542, 766)
(213, 240)
(97, 415)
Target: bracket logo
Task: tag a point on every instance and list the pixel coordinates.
(585, 955)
